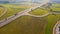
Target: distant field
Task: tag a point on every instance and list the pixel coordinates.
(56, 7)
(16, 6)
(13, 10)
(39, 12)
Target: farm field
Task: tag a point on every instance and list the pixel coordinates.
(56, 7)
(39, 12)
(24, 25)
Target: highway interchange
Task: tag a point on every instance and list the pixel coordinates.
(25, 12)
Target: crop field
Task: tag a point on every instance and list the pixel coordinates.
(56, 7)
(51, 21)
(28, 24)
(39, 11)
(24, 25)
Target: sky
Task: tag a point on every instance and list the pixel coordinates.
(29, 0)
(55, 1)
(20, 0)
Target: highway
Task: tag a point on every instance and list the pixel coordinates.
(25, 12)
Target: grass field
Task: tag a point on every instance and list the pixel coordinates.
(30, 25)
(56, 7)
(13, 10)
(51, 21)
(39, 11)
(24, 25)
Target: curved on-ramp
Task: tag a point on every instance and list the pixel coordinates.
(4, 10)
